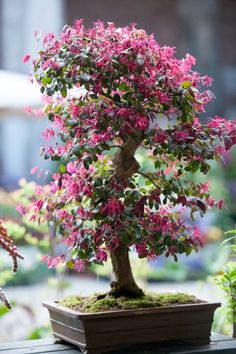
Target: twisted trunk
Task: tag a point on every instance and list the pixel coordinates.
(124, 162)
(125, 165)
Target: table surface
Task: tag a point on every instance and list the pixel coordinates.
(219, 345)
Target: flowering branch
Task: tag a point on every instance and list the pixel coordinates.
(4, 299)
(7, 244)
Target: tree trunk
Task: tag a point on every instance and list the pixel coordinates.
(234, 329)
(125, 165)
(234, 318)
(124, 162)
(124, 283)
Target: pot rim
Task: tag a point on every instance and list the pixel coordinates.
(202, 306)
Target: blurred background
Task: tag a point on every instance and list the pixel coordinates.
(204, 28)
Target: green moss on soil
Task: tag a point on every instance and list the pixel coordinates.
(109, 303)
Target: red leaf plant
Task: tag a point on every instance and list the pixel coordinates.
(108, 92)
(7, 244)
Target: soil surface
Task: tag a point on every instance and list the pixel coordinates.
(96, 304)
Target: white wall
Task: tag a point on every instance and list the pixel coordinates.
(20, 138)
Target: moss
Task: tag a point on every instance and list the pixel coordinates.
(72, 301)
(106, 304)
(92, 304)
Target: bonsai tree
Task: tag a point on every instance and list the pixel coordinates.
(6, 243)
(110, 91)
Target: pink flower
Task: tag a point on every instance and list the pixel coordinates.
(48, 39)
(38, 205)
(210, 201)
(74, 111)
(34, 170)
(220, 204)
(168, 170)
(141, 249)
(197, 235)
(160, 137)
(48, 133)
(26, 58)
(21, 209)
(38, 190)
(180, 136)
(101, 255)
(34, 112)
(142, 122)
(139, 207)
(88, 190)
(80, 265)
(54, 261)
(44, 259)
(195, 121)
(56, 176)
(219, 150)
(207, 80)
(33, 218)
(28, 110)
(216, 122)
(71, 167)
(112, 207)
(204, 187)
(181, 199)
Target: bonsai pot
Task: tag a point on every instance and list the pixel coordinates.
(108, 330)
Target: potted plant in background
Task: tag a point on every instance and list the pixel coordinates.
(227, 282)
(110, 91)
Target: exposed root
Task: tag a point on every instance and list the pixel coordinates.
(129, 291)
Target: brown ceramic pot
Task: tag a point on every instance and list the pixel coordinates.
(104, 331)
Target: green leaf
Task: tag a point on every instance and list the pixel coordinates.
(46, 81)
(55, 158)
(116, 98)
(77, 151)
(70, 264)
(105, 146)
(127, 96)
(87, 162)
(51, 117)
(228, 239)
(194, 166)
(62, 168)
(3, 310)
(205, 167)
(64, 92)
(123, 87)
(157, 164)
(82, 254)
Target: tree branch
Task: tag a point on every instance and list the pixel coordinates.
(116, 146)
(149, 178)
